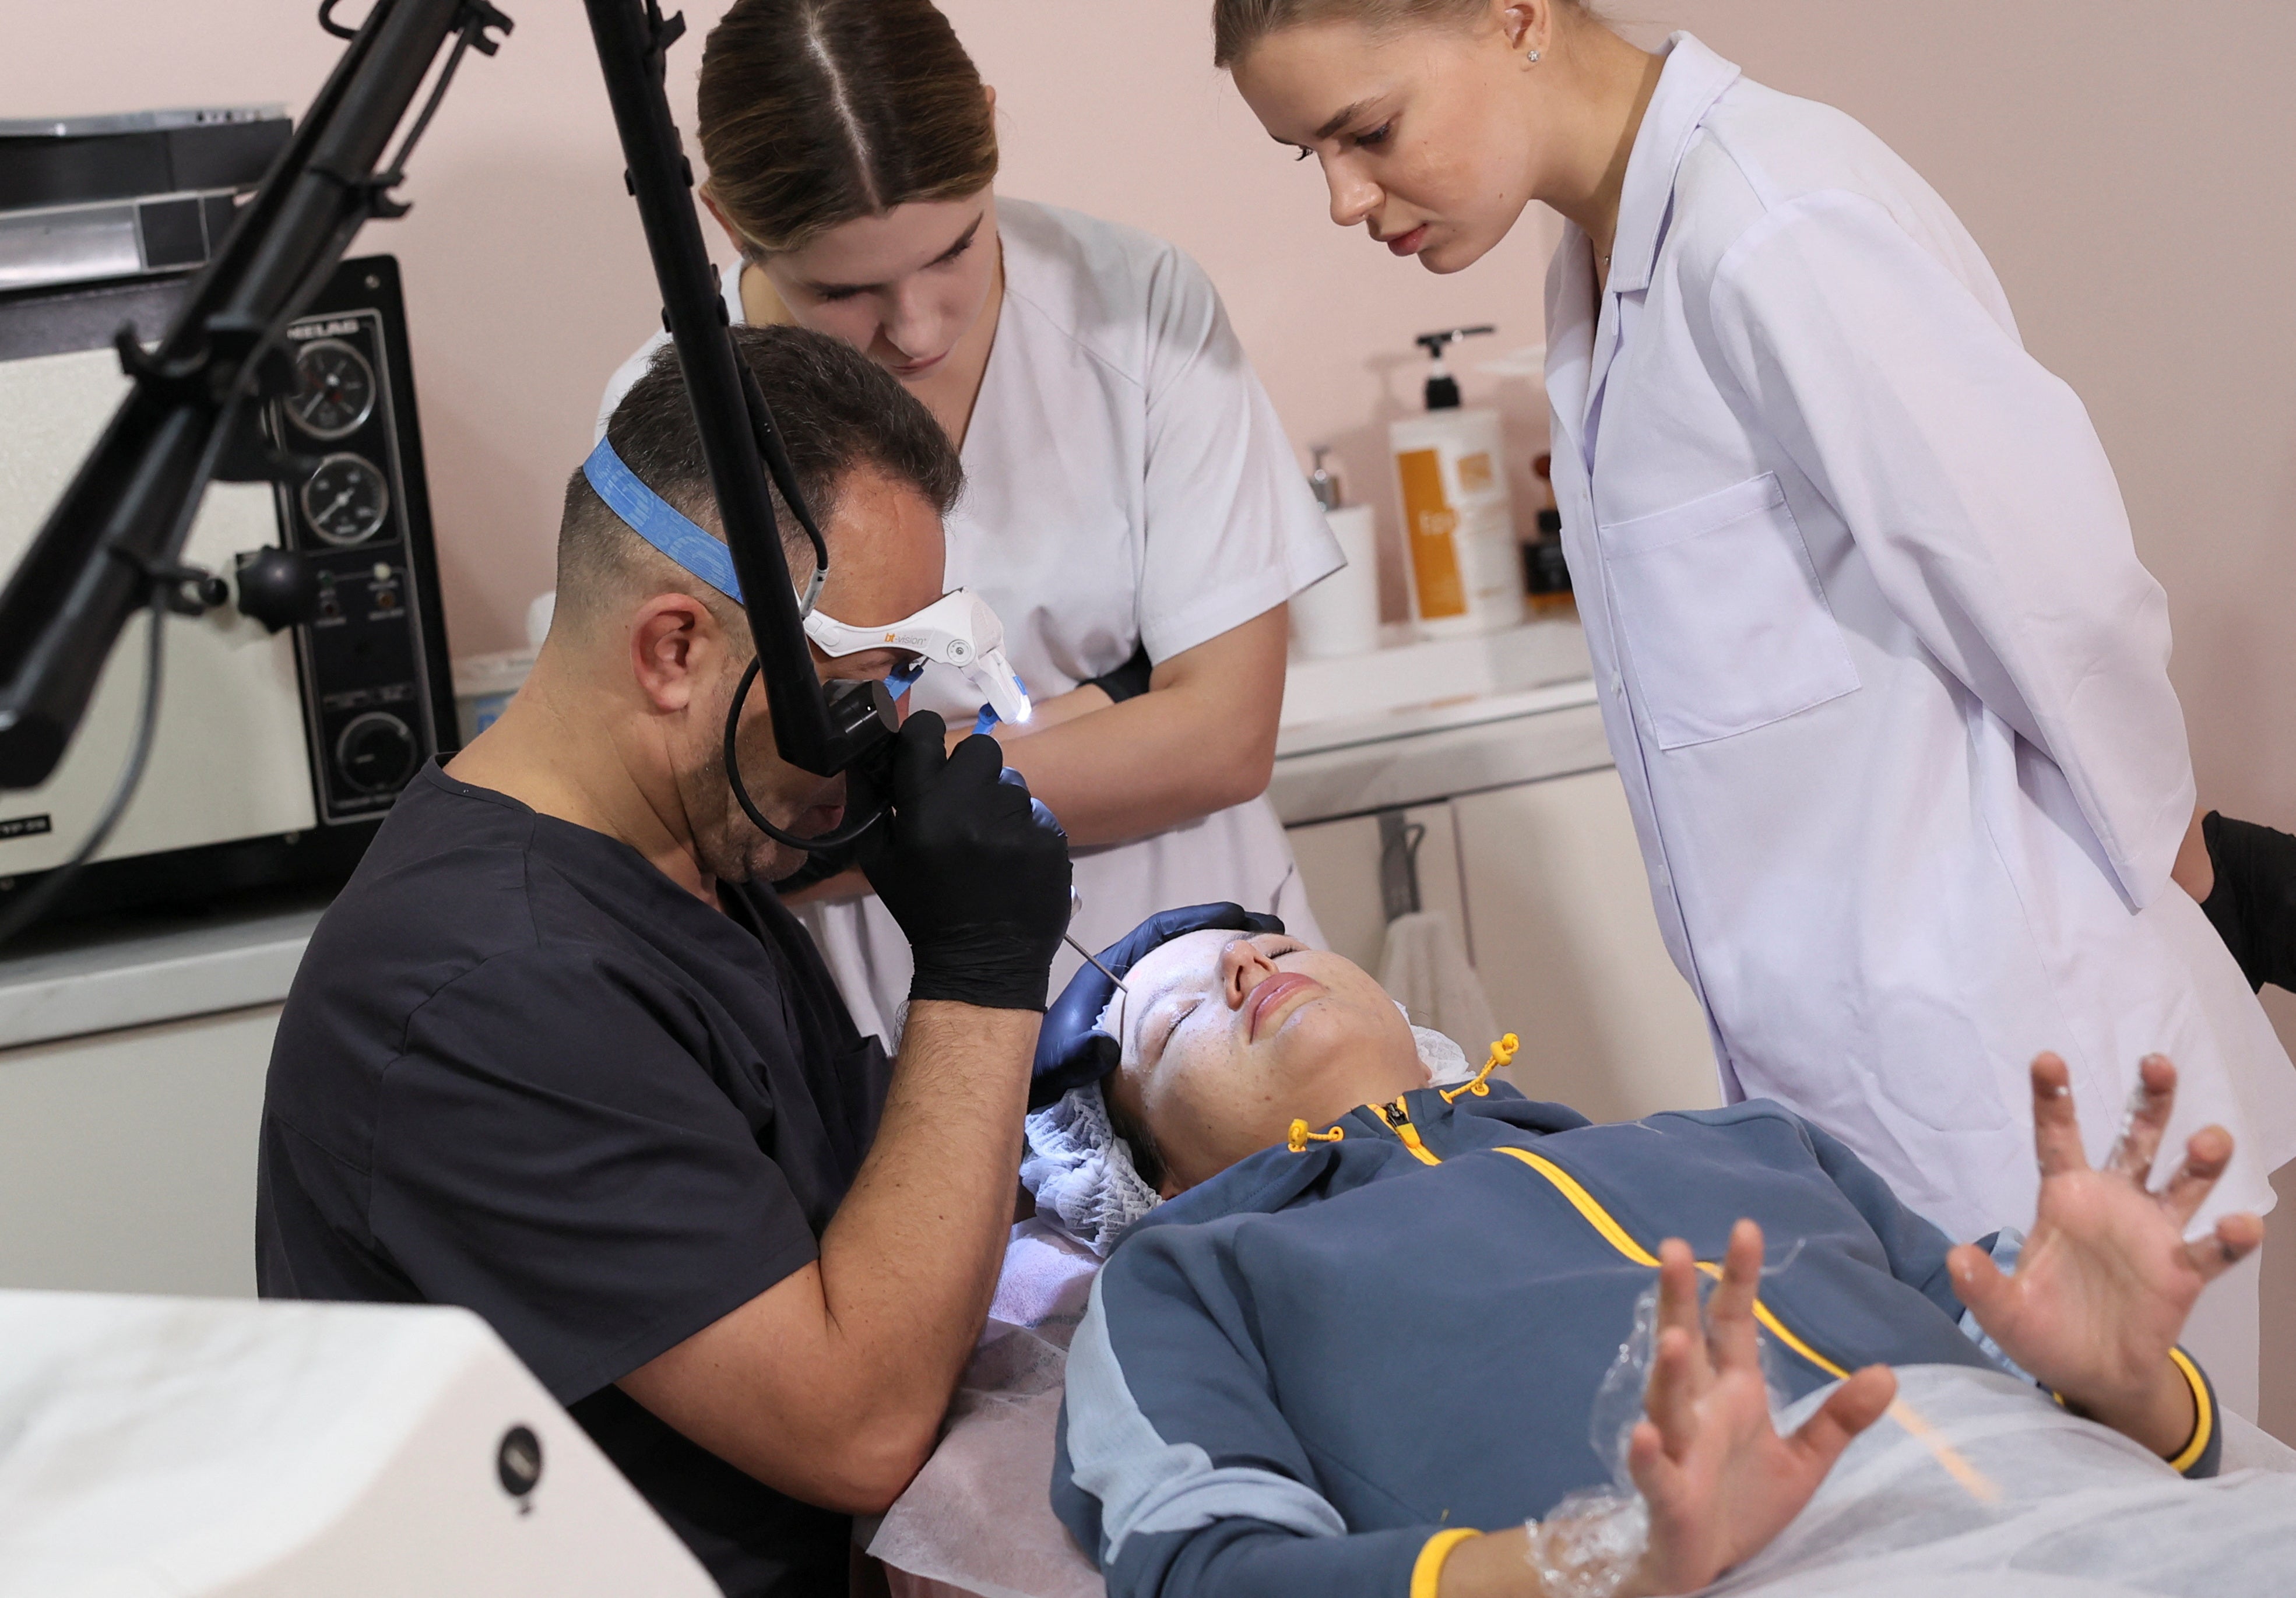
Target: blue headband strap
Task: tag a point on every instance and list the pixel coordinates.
(660, 523)
(656, 520)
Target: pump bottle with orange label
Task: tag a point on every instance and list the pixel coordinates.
(1458, 523)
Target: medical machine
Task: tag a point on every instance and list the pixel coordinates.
(83, 199)
(223, 1449)
(313, 681)
(115, 541)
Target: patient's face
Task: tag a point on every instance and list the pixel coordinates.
(1228, 1039)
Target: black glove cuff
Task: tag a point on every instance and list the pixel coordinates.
(1127, 681)
(2253, 904)
(996, 965)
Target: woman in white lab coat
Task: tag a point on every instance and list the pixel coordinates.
(1885, 682)
(1133, 511)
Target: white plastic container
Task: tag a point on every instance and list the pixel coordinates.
(1340, 615)
(1459, 544)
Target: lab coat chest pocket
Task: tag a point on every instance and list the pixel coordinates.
(1724, 625)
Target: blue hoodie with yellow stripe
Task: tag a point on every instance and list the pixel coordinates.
(1297, 1376)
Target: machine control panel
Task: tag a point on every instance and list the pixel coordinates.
(367, 692)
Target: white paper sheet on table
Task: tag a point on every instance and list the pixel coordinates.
(978, 1519)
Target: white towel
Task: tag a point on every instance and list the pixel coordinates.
(1424, 969)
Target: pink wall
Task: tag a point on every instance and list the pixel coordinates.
(527, 282)
(2132, 183)
(2129, 172)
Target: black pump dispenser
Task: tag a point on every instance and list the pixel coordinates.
(1443, 388)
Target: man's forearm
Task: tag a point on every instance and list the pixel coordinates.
(909, 1264)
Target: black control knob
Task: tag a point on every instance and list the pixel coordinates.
(278, 588)
(376, 752)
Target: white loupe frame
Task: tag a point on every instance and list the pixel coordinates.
(958, 630)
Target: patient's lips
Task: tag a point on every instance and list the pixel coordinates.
(1266, 1006)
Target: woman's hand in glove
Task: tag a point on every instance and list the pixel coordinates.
(975, 871)
(1718, 1479)
(2106, 1278)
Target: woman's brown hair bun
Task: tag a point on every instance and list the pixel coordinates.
(814, 112)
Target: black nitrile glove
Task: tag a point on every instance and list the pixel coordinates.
(2253, 904)
(975, 871)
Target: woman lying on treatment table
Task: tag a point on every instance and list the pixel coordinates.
(1361, 1342)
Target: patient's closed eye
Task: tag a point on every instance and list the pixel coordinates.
(1160, 1026)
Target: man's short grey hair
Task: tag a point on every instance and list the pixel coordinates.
(837, 410)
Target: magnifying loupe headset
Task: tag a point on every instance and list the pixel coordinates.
(958, 630)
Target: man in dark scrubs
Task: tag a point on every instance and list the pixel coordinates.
(558, 1055)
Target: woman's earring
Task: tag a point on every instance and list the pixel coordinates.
(1531, 56)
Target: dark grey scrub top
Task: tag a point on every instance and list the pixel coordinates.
(522, 1071)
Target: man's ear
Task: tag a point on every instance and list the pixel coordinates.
(675, 645)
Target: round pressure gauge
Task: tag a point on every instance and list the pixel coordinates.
(346, 500)
(334, 388)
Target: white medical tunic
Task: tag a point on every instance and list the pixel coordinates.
(1884, 679)
(1127, 482)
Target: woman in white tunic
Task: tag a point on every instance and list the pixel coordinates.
(1131, 500)
(1885, 682)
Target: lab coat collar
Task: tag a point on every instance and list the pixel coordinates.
(1583, 332)
(1692, 81)
(1570, 334)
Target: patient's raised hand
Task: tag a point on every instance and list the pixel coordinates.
(1718, 1479)
(2106, 1278)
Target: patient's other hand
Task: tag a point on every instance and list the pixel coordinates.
(1720, 1482)
(2106, 1278)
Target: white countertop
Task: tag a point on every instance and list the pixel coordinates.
(1421, 721)
(136, 974)
(1400, 726)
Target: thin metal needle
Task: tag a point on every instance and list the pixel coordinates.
(1076, 904)
(1095, 965)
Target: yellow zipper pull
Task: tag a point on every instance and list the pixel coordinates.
(1398, 1117)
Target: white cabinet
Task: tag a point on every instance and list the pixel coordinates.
(1545, 881)
(1339, 864)
(127, 1157)
(1568, 946)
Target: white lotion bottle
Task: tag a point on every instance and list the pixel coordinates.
(1458, 518)
(1340, 615)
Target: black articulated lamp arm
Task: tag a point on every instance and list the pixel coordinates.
(119, 530)
(819, 732)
